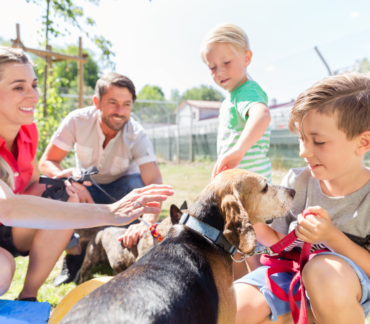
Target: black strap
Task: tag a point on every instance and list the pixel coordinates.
(56, 189)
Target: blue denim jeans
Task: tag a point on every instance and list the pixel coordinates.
(279, 307)
(117, 189)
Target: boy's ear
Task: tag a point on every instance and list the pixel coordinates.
(248, 58)
(363, 145)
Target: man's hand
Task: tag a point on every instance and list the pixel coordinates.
(229, 160)
(315, 229)
(72, 172)
(76, 188)
(133, 234)
(78, 193)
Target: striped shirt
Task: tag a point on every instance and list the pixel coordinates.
(232, 120)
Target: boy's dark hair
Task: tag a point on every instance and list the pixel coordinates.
(115, 79)
(346, 95)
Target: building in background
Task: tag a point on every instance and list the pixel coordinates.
(201, 117)
(280, 114)
(198, 109)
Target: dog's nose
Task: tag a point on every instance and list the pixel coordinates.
(291, 192)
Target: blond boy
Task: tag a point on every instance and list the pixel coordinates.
(332, 119)
(243, 136)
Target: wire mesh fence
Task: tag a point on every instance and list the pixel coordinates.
(177, 137)
(196, 146)
(283, 153)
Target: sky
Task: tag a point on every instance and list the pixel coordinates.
(157, 42)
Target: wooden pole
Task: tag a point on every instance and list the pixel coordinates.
(55, 57)
(50, 66)
(47, 59)
(18, 33)
(80, 76)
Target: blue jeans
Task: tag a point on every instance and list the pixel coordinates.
(117, 189)
(283, 279)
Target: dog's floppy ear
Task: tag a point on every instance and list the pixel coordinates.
(238, 229)
(184, 205)
(175, 214)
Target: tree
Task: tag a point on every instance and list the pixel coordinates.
(71, 14)
(67, 70)
(175, 95)
(149, 92)
(364, 65)
(4, 42)
(203, 93)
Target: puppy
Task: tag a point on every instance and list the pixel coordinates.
(187, 278)
(104, 246)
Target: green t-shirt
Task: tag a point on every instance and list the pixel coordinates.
(232, 120)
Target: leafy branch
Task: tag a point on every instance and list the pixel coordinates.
(72, 14)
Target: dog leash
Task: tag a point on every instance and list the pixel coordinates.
(281, 261)
(56, 189)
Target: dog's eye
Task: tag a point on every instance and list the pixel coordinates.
(264, 190)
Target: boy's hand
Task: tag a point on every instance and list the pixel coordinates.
(133, 234)
(229, 160)
(315, 229)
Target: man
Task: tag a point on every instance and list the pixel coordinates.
(104, 135)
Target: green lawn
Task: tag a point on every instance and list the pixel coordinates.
(187, 180)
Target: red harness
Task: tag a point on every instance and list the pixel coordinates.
(292, 262)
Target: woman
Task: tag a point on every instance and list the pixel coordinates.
(18, 146)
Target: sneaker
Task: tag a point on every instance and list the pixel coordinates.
(70, 270)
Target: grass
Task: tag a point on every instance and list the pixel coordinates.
(187, 180)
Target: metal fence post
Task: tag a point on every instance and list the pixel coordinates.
(169, 131)
(178, 131)
(191, 135)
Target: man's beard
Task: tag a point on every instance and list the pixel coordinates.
(114, 126)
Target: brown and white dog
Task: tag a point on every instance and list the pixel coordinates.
(104, 246)
(187, 278)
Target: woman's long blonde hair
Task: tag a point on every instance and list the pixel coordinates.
(6, 173)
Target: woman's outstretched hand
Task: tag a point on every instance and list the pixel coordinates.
(140, 201)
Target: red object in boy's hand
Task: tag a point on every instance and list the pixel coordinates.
(307, 212)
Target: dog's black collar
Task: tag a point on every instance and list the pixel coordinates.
(208, 231)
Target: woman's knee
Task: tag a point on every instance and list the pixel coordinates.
(6, 271)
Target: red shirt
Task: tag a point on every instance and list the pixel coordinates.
(26, 141)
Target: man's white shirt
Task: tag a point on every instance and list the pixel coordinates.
(130, 148)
